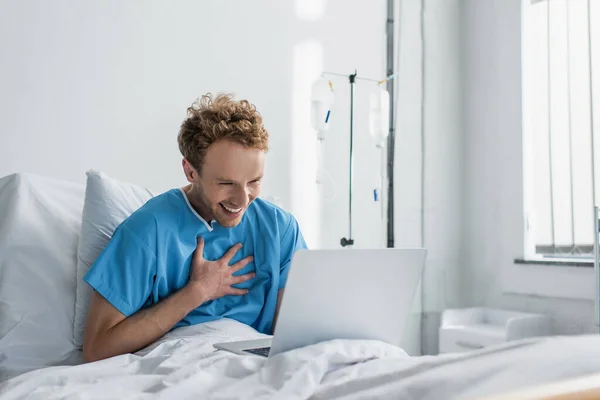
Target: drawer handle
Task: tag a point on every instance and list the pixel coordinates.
(468, 345)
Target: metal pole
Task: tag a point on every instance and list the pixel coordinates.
(549, 104)
(597, 265)
(391, 134)
(573, 245)
(596, 214)
(349, 241)
(351, 177)
(382, 197)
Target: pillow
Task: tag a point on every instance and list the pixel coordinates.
(107, 203)
(40, 220)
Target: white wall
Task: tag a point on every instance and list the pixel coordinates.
(105, 85)
(493, 206)
(436, 135)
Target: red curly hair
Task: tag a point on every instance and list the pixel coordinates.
(222, 118)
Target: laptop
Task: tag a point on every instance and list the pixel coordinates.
(342, 294)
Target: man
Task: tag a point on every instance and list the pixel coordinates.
(209, 250)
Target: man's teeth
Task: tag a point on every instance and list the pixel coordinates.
(232, 210)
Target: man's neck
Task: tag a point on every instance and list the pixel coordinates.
(196, 202)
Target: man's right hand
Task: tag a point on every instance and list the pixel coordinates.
(210, 280)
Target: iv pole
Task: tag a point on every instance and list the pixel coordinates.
(350, 242)
(344, 242)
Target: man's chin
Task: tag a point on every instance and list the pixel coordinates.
(229, 222)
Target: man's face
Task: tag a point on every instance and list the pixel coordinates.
(229, 180)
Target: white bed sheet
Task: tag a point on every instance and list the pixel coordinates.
(184, 364)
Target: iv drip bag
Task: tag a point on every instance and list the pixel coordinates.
(321, 102)
(379, 115)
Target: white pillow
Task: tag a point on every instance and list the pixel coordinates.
(40, 220)
(107, 203)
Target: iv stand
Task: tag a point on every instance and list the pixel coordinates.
(352, 79)
(350, 242)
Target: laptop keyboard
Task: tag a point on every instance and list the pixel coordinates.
(261, 351)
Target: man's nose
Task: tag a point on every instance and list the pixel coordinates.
(241, 196)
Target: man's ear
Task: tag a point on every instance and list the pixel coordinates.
(190, 172)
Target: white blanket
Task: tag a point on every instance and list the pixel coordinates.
(184, 365)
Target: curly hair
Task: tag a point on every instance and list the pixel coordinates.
(212, 120)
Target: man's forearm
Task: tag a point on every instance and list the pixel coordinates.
(145, 326)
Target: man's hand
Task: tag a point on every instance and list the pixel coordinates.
(210, 280)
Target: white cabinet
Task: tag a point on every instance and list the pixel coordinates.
(475, 328)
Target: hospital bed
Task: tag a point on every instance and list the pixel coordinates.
(40, 224)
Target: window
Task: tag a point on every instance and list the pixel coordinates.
(561, 112)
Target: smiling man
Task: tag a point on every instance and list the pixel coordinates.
(209, 250)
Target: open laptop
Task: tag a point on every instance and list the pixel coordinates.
(342, 294)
